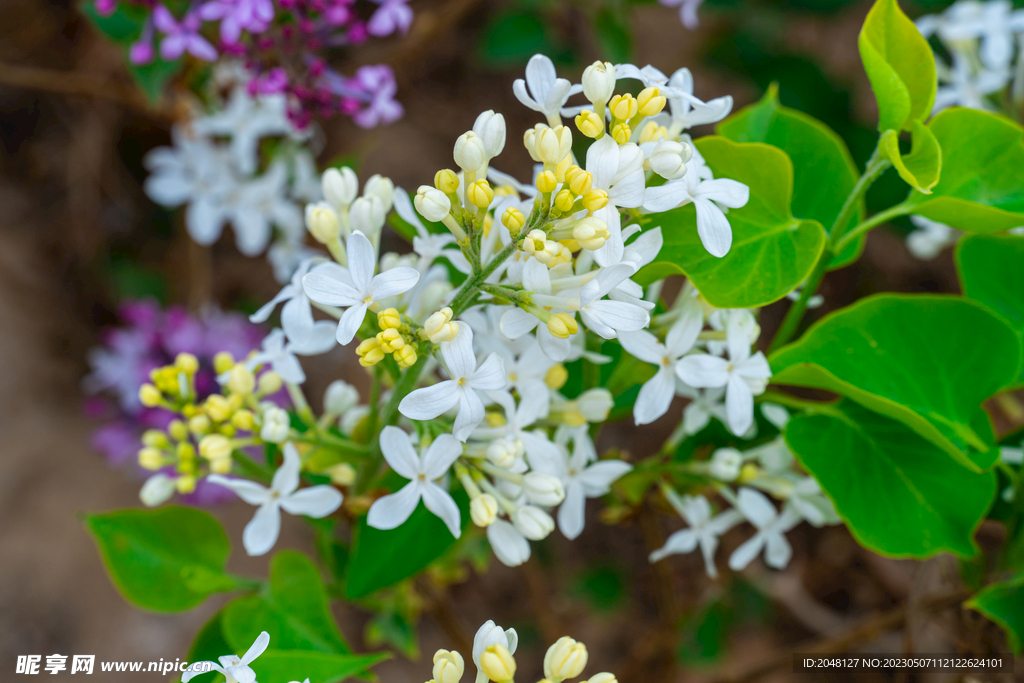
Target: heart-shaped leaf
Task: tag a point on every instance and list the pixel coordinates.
(927, 361)
(900, 66)
(823, 170)
(899, 494)
(283, 666)
(772, 252)
(991, 269)
(982, 183)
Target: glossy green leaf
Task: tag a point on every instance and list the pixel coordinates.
(772, 252)
(1003, 603)
(295, 612)
(982, 184)
(899, 494)
(381, 558)
(899, 64)
(283, 666)
(155, 556)
(927, 361)
(920, 169)
(991, 269)
(823, 170)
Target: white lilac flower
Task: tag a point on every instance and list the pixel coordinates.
(233, 667)
(284, 494)
(362, 289)
(246, 120)
(707, 194)
(962, 85)
(993, 23)
(422, 471)
(809, 502)
(516, 322)
(280, 352)
(771, 528)
(704, 404)
(296, 314)
(930, 238)
(491, 634)
(582, 479)
(687, 11)
(543, 91)
(618, 170)
(467, 378)
(656, 393)
(518, 418)
(611, 317)
(429, 246)
(703, 532)
(688, 111)
(743, 376)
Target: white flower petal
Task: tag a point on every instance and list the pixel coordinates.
(756, 507)
(249, 491)
(350, 322)
(516, 322)
(440, 502)
(429, 402)
(655, 396)
(701, 370)
(746, 553)
(644, 346)
(598, 478)
(393, 282)
(391, 511)
(508, 545)
(261, 532)
(258, 647)
(362, 261)
(315, 501)
(458, 353)
(739, 405)
(443, 451)
(471, 414)
(571, 513)
(679, 543)
(665, 197)
(323, 288)
(397, 448)
(490, 376)
(286, 478)
(713, 227)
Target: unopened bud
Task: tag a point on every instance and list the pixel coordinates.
(340, 397)
(243, 419)
(269, 383)
(322, 222)
(370, 352)
(621, 133)
(497, 663)
(556, 376)
(276, 425)
(215, 446)
(447, 181)
(432, 204)
(241, 380)
(480, 194)
(726, 463)
(177, 430)
(595, 200)
(514, 220)
(581, 182)
(151, 458)
(222, 362)
(532, 522)
(155, 438)
(157, 490)
(589, 123)
(491, 129)
(339, 186)
(599, 82)
(470, 153)
(543, 489)
(406, 356)
(382, 187)
(623, 107)
(562, 325)
(439, 327)
(503, 453)
(564, 201)
(591, 233)
(566, 658)
(341, 474)
(367, 214)
(150, 396)
(650, 101)
(187, 363)
(185, 484)
(199, 424)
(483, 510)
(652, 132)
(595, 404)
(668, 159)
(603, 677)
(546, 182)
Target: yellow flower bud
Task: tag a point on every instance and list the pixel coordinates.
(483, 510)
(151, 458)
(439, 326)
(187, 362)
(535, 241)
(341, 474)
(564, 201)
(185, 484)
(565, 659)
(390, 340)
(564, 165)
(243, 419)
(406, 356)
(155, 438)
(497, 663)
(652, 132)
(220, 466)
(199, 424)
(556, 377)
(177, 430)
(571, 244)
(495, 419)
(546, 182)
(562, 325)
(581, 182)
(747, 472)
(650, 101)
(185, 452)
(190, 410)
(150, 396)
(514, 220)
(446, 180)
(591, 233)
(621, 133)
(448, 667)
(269, 383)
(480, 194)
(623, 107)
(215, 447)
(228, 429)
(603, 677)
(595, 200)
(218, 408)
(589, 123)
(389, 319)
(223, 362)
(241, 381)
(323, 222)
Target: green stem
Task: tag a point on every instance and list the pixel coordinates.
(876, 220)
(794, 402)
(471, 287)
(875, 167)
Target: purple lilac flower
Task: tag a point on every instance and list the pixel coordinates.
(379, 83)
(182, 36)
(235, 16)
(392, 16)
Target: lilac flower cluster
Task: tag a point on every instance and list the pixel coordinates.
(148, 338)
(283, 44)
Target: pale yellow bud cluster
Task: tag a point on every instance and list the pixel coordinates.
(591, 233)
(579, 181)
(650, 101)
(652, 132)
(448, 666)
(556, 376)
(394, 338)
(564, 660)
(484, 510)
(446, 181)
(440, 327)
(171, 384)
(590, 124)
(623, 107)
(546, 181)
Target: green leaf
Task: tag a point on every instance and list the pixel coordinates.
(772, 252)
(919, 359)
(919, 169)
(982, 183)
(512, 37)
(613, 36)
(899, 64)
(296, 611)
(153, 556)
(153, 78)
(991, 269)
(1003, 603)
(283, 666)
(899, 494)
(122, 26)
(381, 558)
(824, 173)
(209, 644)
(390, 628)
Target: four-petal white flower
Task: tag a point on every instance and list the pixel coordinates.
(235, 669)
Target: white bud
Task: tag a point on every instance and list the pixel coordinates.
(393, 259)
(483, 510)
(439, 326)
(503, 453)
(491, 129)
(351, 419)
(532, 522)
(322, 222)
(367, 215)
(157, 489)
(553, 144)
(276, 425)
(668, 159)
(470, 153)
(432, 204)
(448, 666)
(340, 397)
(565, 659)
(599, 82)
(339, 186)
(379, 186)
(726, 464)
(543, 489)
(595, 404)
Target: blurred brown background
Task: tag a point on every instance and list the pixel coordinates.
(73, 134)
